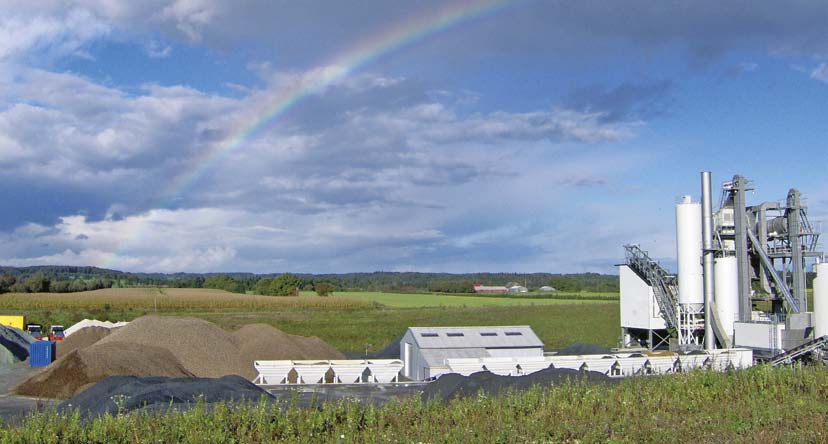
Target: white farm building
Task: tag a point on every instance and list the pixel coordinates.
(425, 350)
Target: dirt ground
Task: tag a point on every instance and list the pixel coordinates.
(14, 408)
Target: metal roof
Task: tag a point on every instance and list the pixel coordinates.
(474, 337)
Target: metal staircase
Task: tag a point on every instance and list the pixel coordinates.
(662, 282)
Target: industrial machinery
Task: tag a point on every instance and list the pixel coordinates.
(741, 280)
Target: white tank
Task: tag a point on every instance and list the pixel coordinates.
(727, 292)
(821, 300)
(689, 251)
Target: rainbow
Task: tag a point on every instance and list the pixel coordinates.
(364, 52)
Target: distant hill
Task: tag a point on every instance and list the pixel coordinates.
(59, 278)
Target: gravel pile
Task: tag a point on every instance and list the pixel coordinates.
(457, 386)
(261, 342)
(203, 348)
(124, 394)
(167, 346)
(75, 371)
(15, 345)
(81, 339)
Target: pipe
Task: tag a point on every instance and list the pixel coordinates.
(707, 248)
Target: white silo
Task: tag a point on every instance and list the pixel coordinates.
(689, 252)
(821, 300)
(727, 292)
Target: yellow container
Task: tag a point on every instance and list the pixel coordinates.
(13, 321)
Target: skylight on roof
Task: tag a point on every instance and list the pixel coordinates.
(454, 335)
(429, 335)
(514, 333)
(488, 333)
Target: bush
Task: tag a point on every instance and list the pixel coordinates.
(323, 289)
(284, 285)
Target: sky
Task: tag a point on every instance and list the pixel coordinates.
(274, 136)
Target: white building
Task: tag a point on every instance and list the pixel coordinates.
(424, 350)
(518, 289)
(547, 288)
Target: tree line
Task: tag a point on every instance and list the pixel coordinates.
(70, 279)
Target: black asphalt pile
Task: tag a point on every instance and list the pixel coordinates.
(582, 348)
(125, 394)
(390, 351)
(452, 385)
(16, 343)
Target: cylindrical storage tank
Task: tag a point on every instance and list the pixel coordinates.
(727, 292)
(689, 252)
(821, 300)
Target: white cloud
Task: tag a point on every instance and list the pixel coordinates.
(820, 72)
(56, 35)
(157, 50)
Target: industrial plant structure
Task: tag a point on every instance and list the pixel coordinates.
(740, 283)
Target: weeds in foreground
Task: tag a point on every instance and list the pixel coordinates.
(761, 404)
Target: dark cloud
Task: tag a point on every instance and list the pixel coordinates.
(627, 101)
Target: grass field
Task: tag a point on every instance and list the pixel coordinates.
(437, 300)
(349, 321)
(758, 405)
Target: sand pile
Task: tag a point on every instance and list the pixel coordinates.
(167, 346)
(260, 342)
(81, 339)
(73, 372)
(203, 348)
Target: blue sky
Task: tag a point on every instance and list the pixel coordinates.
(539, 137)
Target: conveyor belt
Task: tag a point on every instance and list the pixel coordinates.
(789, 356)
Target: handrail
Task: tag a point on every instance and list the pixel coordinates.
(662, 282)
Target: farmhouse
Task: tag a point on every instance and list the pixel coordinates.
(426, 349)
(489, 289)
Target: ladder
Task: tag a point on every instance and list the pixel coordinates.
(662, 282)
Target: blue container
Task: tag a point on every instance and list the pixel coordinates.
(41, 353)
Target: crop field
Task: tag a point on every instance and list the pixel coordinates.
(758, 405)
(351, 322)
(166, 299)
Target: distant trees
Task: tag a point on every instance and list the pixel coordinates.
(224, 282)
(72, 279)
(566, 283)
(41, 283)
(283, 285)
(451, 287)
(7, 281)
